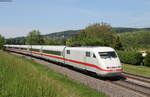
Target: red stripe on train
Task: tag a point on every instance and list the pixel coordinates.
(74, 61)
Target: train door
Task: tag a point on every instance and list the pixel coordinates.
(87, 59)
(90, 58)
(64, 55)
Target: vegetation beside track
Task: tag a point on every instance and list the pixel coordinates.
(21, 77)
(136, 69)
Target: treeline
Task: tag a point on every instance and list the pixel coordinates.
(100, 34)
(135, 40)
(35, 38)
(57, 38)
(94, 35)
(125, 29)
(130, 38)
(17, 40)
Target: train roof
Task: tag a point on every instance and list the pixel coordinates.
(54, 48)
(61, 48)
(90, 48)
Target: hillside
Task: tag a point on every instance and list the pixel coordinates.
(124, 29)
(54, 36)
(63, 34)
(69, 33)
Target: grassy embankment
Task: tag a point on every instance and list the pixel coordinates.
(20, 77)
(140, 70)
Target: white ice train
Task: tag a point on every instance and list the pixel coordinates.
(103, 61)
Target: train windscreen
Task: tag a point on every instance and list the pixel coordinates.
(105, 55)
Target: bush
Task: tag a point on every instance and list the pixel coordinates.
(2, 42)
(130, 57)
(147, 59)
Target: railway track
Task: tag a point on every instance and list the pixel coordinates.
(142, 89)
(137, 77)
(135, 82)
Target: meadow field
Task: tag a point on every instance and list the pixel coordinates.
(20, 77)
(136, 69)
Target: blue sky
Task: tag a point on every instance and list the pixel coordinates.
(19, 17)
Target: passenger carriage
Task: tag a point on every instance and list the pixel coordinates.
(102, 60)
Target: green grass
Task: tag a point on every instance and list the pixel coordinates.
(20, 77)
(140, 70)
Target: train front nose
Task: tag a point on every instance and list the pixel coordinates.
(110, 62)
(112, 69)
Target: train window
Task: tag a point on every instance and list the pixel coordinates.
(16, 47)
(94, 56)
(52, 52)
(37, 50)
(105, 55)
(24, 48)
(88, 54)
(68, 51)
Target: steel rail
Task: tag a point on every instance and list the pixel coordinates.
(137, 77)
(133, 86)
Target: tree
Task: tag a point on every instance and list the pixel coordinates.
(95, 35)
(2, 42)
(34, 38)
(147, 59)
(118, 44)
